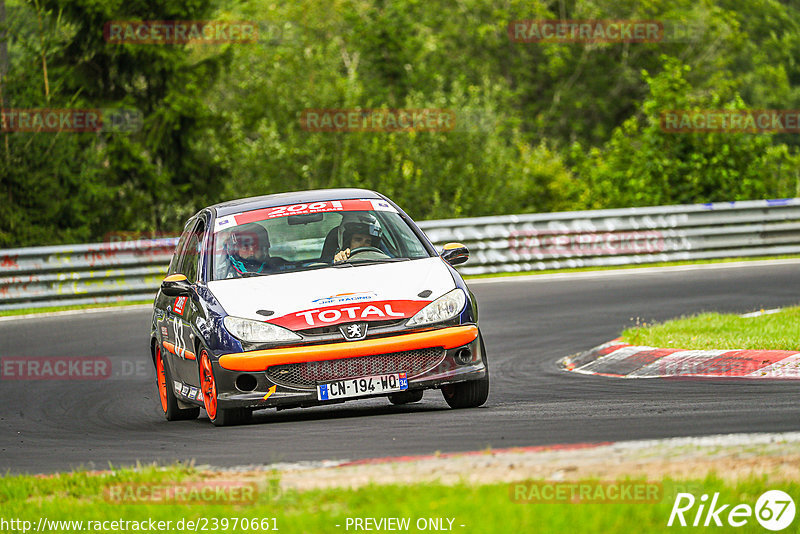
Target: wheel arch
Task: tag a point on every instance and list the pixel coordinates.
(153, 343)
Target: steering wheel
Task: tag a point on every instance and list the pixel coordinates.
(359, 250)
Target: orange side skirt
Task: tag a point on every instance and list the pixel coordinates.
(189, 355)
(260, 360)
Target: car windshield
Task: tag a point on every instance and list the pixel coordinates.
(311, 236)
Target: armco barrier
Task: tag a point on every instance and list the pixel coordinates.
(83, 274)
(513, 243)
(132, 270)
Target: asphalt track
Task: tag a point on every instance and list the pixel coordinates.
(528, 324)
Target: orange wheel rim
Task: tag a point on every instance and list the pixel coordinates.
(208, 385)
(161, 377)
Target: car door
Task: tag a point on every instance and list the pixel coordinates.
(184, 310)
(174, 314)
(164, 305)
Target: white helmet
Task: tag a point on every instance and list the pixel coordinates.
(359, 223)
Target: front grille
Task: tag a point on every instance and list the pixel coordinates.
(308, 374)
(327, 330)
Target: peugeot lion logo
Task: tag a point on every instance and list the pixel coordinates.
(354, 331)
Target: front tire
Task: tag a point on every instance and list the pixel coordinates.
(469, 394)
(169, 403)
(218, 416)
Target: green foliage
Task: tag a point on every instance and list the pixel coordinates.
(77, 187)
(643, 165)
(543, 126)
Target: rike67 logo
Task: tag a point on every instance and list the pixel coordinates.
(774, 511)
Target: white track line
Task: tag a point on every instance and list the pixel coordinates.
(630, 271)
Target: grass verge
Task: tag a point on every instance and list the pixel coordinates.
(709, 331)
(51, 309)
(633, 266)
(490, 508)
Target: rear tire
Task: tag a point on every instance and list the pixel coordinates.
(406, 397)
(169, 403)
(218, 416)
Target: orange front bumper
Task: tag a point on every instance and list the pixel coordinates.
(260, 360)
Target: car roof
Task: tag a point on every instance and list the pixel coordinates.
(295, 197)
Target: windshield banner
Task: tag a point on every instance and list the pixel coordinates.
(264, 214)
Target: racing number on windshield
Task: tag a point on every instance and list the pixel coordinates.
(281, 211)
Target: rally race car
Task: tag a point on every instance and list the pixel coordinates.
(311, 298)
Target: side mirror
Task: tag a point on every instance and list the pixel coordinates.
(455, 253)
(176, 285)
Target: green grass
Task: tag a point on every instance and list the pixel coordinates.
(482, 509)
(50, 309)
(777, 331)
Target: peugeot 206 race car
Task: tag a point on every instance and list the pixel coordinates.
(311, 298)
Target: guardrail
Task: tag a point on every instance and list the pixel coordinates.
(83, 274)
(132, 270)
(514, 243)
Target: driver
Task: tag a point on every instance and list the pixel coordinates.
(247, 249)
(357, 230)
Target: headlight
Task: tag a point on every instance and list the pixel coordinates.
(445, 307)
(256, 331)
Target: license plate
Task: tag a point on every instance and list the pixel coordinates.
(359, 387)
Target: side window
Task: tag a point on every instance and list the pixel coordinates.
(190, 256)
(175, 263)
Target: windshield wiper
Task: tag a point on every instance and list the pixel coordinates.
(376, 260)
(248, 274)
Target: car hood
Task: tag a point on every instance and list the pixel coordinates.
(324, 297)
